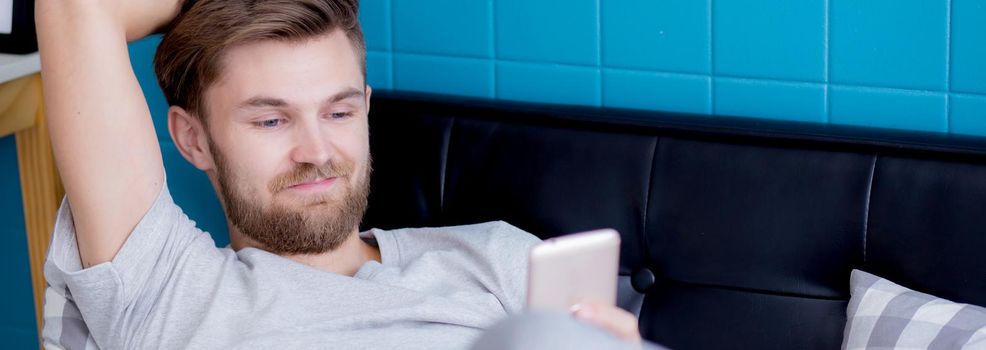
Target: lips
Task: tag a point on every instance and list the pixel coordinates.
(314, 184)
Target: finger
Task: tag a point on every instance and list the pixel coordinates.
(617, 321)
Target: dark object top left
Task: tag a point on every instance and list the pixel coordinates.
(23, 36)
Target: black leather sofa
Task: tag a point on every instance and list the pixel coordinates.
(737, 233)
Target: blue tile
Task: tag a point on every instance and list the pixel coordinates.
(770, 99)
(20, 337)
(968, 114)
(192, 191)
(657, 91)
(559, 31)
(374, 17)
(444, 75)
(968, 46)
(11, 204)
(17, 296)
(378, 70)
(779, 39)
(888, 108)
(142, 61)
(890, 43)
(550, 83)
(668, 36)
(450, 27)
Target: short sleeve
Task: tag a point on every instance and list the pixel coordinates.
(114, 297)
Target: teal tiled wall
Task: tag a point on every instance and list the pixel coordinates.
(17, 323)
(907, 64)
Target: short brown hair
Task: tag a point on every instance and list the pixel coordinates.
(188, 59)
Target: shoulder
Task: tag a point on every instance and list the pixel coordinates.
(500, 235)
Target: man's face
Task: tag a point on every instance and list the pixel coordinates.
(289, 138)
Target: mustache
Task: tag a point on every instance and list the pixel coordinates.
(307, 172)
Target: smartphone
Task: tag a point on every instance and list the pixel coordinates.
(573, 269)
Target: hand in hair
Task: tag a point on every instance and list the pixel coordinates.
(138, 18)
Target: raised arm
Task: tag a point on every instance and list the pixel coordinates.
(102, 135)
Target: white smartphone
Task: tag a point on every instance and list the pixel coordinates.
(573, 269)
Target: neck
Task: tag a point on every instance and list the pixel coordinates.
(344, 260)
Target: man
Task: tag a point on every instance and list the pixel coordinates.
(269, 99)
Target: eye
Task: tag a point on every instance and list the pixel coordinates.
(341, 115)
(269, 123)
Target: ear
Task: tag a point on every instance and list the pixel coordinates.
(190, 136)
(369, 90)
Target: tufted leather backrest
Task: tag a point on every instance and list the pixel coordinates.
(737, 233)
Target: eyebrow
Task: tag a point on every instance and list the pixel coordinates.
(346, 94)
(267, 101)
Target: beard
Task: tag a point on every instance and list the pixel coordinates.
(319, 224)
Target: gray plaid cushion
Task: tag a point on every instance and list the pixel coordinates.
(63, 327)
(884, 315)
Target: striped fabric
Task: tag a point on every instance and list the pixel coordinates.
(884, 315)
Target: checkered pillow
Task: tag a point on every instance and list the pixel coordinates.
(63, 327)
(884, 315)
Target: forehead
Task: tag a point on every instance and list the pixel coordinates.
(296, 71)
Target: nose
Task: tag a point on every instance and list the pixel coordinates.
(311, 145)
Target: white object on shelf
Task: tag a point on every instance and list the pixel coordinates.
(16, 66)
(6, 16)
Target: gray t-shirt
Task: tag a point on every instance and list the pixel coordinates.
(171, 287)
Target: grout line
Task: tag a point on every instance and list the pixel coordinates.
(389, 19)
(948, 65)
(390, 72)
(599, 51)
(393, 69)
(948, 46)
(712, 78)
(826, 42)
(416, 51)
(602, 88)
(599, 33)
(967, 95)
(442, 55)
(494, 81)
(828, 103)
(712, 62)
(828, 60)
(686, 74)
(948, 113)
(889, 89)
(393, 56)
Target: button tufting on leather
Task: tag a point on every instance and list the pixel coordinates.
(642, 280)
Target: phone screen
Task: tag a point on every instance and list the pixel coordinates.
(6, 16)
